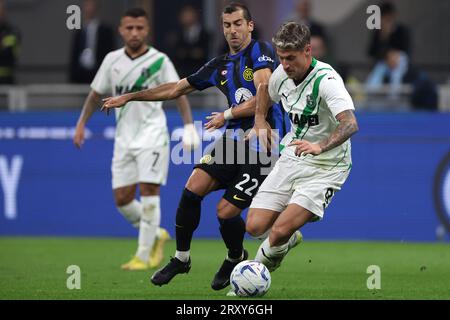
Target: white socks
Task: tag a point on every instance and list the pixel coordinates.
(265, 251)
(264, 236)
(132, 212)
(150, 220)
(183, 256)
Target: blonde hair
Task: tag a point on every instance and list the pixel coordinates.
(292, 36)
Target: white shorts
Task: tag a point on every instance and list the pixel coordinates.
(132, 166)
(294, 182)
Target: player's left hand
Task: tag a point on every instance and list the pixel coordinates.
(305, 148)
(114, 102)
(216, 121)
(264, 133)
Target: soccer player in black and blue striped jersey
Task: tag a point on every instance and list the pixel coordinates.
(237, 75)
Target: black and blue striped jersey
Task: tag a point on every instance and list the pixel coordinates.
(233, 76)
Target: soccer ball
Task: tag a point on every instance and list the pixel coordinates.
(250, 279)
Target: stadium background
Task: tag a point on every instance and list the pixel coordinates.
(395, 191)
(61, 191)
(56, 204)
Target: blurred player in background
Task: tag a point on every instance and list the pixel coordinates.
(316, 154)
(9, 47)
(141, 148)
(237, 75)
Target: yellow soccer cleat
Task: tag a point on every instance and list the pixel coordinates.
(296, 240)
(157, 253)
(136, 264)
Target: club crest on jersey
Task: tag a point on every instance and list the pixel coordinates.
(242, 94)
(146, 73)
(310, 100)
(248, 74)
(206, 159)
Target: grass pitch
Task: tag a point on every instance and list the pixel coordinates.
(35, 268)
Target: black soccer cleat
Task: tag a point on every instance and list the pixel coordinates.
(174, 267)
(222, 277)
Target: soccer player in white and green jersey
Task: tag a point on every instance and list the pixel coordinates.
(316, 155)
(141, 148)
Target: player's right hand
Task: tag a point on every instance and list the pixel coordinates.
(78, 138)
(216, 121)
(114, 102)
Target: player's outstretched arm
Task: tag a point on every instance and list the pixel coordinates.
(93, 100)
(347, 127)
(167, 91)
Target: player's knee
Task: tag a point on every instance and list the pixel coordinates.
(200, 183)
(253, 227)
(227, 211)
(123, 199)
(124, 196)
(257, 229)
(148, 190)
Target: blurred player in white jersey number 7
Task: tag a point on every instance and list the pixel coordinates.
(141, 146)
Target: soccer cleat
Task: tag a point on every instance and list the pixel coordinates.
(296, 240)
(135, 264)
(174, 267)
(157, 253)
(272, 263)
(222, 277)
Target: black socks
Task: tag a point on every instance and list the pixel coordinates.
(233, 231)
(188, 219)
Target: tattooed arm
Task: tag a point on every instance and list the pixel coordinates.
(347, 127)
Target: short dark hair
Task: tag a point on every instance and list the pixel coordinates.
(387, 8)
(236, 6)
(292, 36)
(135, 13)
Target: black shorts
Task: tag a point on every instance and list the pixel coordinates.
(238, 169)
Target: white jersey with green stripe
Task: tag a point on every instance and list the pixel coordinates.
(312, 106)
(139, 124)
